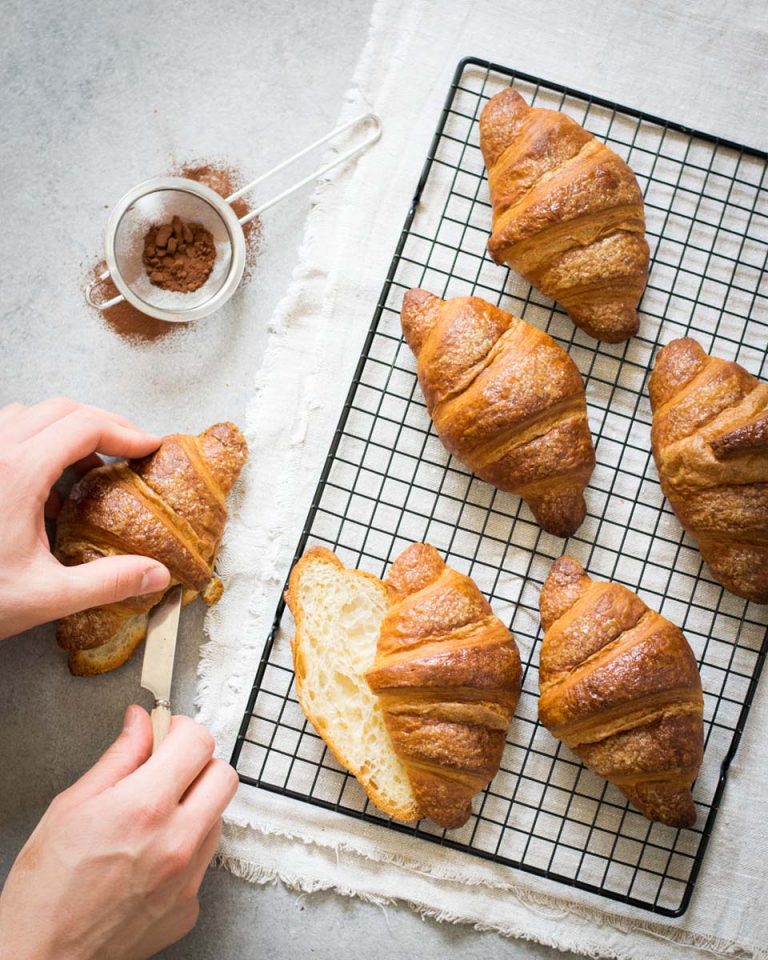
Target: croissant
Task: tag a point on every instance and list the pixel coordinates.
(506, 400)
(620, 687)
(170, 506)
(447, 672)
(710, 443)
(567, 214)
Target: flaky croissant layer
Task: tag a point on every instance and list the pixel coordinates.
(710, 444)
(567, 214)
(506, 400)
(620, 687)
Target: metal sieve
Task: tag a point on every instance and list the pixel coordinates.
(160, 199)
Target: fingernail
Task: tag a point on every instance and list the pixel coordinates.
(154, 579)
(131, 716)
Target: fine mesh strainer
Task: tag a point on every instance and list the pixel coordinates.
(160, 199)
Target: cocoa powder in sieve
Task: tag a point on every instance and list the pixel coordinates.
(178, 256)
(136, 328)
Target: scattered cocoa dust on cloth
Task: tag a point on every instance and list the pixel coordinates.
(135, 327)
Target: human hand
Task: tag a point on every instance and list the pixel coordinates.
(114, 867)
(36, 445)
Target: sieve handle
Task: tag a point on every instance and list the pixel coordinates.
(101, 304)
(372, 137)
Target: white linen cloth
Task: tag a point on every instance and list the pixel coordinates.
(701, 64)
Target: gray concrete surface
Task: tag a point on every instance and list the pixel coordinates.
(98, 97)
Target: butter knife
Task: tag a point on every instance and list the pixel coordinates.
(157, 670)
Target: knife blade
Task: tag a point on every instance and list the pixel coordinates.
(157, 669)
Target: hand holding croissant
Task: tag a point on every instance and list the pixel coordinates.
(38, 443)
(171, 506)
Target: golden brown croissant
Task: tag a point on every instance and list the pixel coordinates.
(710, 443)
(567, 214)
(620, 687)
(506, 400)
(170, 506)
(447, 672)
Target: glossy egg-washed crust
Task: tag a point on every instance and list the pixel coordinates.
(710, 443)
(620, 687)
(170, 506)
(448, 674)
(506, 400)
(567, 214)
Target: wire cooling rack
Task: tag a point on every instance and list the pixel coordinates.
(388, 481)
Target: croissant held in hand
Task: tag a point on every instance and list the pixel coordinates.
(170, 506)
(506, 400)
(620, 687)
(447, 672)
(567, 214)
(710, 443)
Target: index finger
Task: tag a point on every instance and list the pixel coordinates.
(179, 760)
(79, 434)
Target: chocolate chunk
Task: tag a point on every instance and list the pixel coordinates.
(163, 233)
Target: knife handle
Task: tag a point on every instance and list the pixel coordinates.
(161, 722)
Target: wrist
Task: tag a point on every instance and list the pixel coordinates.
(20, 939)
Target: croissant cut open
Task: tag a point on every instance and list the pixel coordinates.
(412, 682)
(710, 443)
(567, 214)
(170, 506)
(620, 687)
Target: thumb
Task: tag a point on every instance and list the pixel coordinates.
(109, 580)
(131, 749)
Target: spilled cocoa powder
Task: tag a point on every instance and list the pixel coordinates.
(136, 328)
(225, 181)
(125, 320)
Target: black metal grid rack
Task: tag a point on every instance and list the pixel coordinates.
(388, 482)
